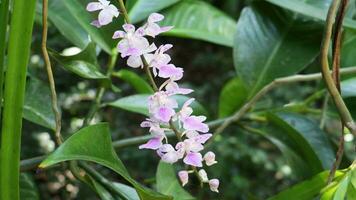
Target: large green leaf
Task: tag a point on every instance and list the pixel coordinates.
(305, 137)
(348, 50)
(138, 104)
(232, 97)
(141, 9)
(348, 88)
(37, 106)
(60, 16)
(305, 190)
(199, 20)
(93, 143)
(28, 189)
(138, 83)
(128, 192)
(271, 43)
(84, 64)
(72, 20)
(315, 8)
(168, 184)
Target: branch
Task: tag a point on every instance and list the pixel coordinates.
(269, 87)
(333, 90)
(46, 58)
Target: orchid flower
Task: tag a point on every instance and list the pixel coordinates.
(106, 14)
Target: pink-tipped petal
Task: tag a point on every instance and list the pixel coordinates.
(214, 185)
(183, 177)
(164, 114)
(155, 17)
(153, 143)
(94, 6)
(96, 23)
(118, 34)
(193, 159)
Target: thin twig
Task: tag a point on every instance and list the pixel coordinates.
(339, 103)
(336, 78)
(267, 88)
(46, 58)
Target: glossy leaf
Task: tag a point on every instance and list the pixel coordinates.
(307, 189)
(199, 20)
(28, 189)
(83, 64)
(232, 97)
(167, 183)
(271, 43)
(306, 138)
(62, 18)
(348, 88)
(98, 149)
(310, 8)
(141, 9)
(341, 190)
(348, 48)
(138, 83)
(71, 18)
(138, 104)
(128, 192)
(37, 106)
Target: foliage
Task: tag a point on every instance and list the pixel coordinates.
(281, 146)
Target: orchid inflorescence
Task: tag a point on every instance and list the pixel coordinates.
(164, 112)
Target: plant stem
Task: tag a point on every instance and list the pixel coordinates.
(333, 90)
(123, 11)
(100, 92)
(52, 84)
(18, 55)
(279, 81)
(4, 12)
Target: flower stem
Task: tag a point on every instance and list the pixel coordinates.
(22, 20)
(47, 60)
(333, 90)
(4, 12)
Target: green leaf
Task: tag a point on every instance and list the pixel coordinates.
(141, 9)
(72, 19)
(341, 190)
(271, 43)
(232, 97)
(168, 184)
(199, 20)
(62, 18)
(138, 83)
(305, 190)
(351, 192)
(348, 88)
(37, 106)
(28, 189)
(128, 192)
(138, 104)
(306, 138)
(93, 143)
(311, 9)
(84, 64)
(348, 48)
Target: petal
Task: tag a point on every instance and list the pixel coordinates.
(96, 23)
(128, 28)
(165, 47)
(183, 177)
(203, 176)
(153, 143)
(193, 159)
(164, 114)
(209, 158)
(155, 17)
(202, 138)
(94, 6)
(193, 123)
(166, 29)
(113, 10)
(105, 17)
(170, 71)
(153, 29)
(134, 61)
(214, 185)
(118, 34)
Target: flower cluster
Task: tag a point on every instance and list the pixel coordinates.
(164, 113)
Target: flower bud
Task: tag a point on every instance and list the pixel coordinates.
(209, 158)
(203, 176)
(183, 176)
(214, 185)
